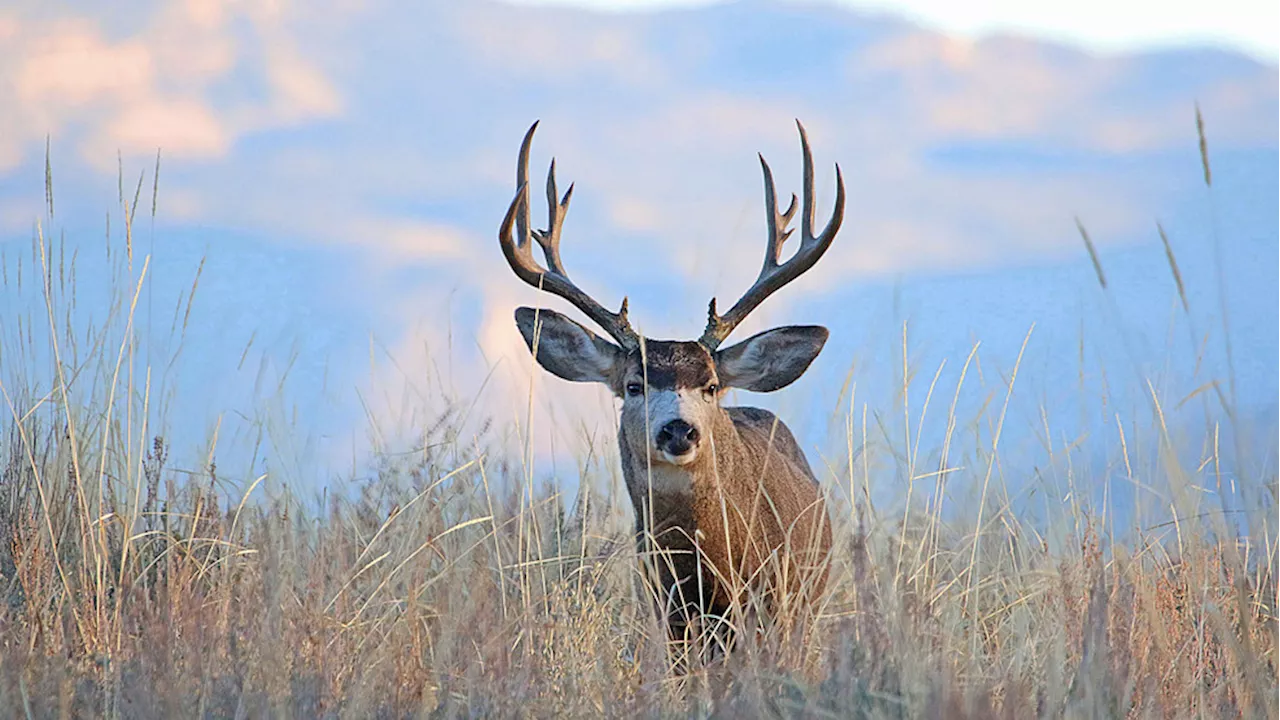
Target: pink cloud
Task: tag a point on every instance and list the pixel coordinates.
(1005, 88)
(155, 88)
(561, 47)
(70, 64)
(182, 127)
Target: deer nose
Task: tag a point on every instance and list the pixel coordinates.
(677, 437)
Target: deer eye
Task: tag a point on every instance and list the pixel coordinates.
(635, 389)
(711, 391)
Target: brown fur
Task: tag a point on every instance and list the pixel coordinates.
(754, 497)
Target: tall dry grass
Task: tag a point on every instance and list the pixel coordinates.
(454, 581)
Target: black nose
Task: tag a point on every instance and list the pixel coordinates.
(677, 437)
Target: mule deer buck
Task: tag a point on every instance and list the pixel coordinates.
(724, 495)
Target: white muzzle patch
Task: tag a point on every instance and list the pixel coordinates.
(665, 406)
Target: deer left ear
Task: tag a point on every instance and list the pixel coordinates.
(771, 360)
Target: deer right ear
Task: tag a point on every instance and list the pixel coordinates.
(565, 348)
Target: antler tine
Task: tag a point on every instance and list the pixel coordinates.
(522, 197)
(837, 212)
(552, 278)
(549, 239)
(774, 275)
(778, 222)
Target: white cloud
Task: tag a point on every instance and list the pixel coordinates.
(1247, 25)
(485, 367)
(1109, 25)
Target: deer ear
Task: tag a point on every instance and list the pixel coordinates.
(565, 348)
(771, 360)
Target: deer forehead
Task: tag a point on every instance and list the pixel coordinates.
(672, 365)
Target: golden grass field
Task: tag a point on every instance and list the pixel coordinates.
(454, 581)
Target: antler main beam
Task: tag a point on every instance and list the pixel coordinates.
(773, 275)
(552, 278)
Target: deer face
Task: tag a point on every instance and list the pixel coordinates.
(670, 390)
(670, 400)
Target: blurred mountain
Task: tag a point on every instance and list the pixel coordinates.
(345, 165)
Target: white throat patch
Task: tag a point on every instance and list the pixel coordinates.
(665, 479)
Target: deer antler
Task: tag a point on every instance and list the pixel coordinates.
(773, 275)
(552, 278)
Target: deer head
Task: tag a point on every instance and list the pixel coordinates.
(672, 389)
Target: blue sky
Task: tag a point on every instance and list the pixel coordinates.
(343, 167)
